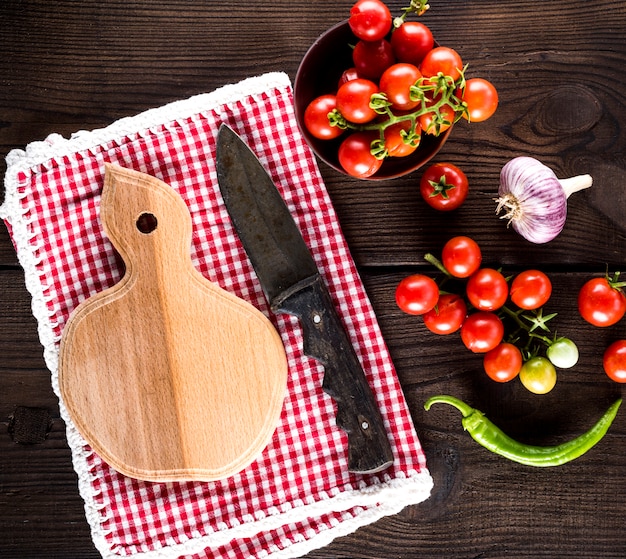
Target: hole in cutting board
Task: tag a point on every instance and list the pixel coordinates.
(146, 223)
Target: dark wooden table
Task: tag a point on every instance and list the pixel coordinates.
(559, 69)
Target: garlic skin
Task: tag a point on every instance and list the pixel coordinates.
(534, 199)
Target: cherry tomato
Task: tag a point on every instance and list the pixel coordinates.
(481, 98)
(394, 140)
(417, 294)
(531, 289)
(614, 361)
(461, 256)
(447, 316)
(601, 304)
(316, 118)
(434, 124)
(444, 60)
(370, 20)
(503, 362)
(347, 76)
(355, 156)
(487, 289)
(482, 331)
(372, 58)
(353, 100)
(396, 83)
(444, 186)
(538, 375)
(563, 353)
(411, 41)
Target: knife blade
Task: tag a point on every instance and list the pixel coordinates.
(293, 285)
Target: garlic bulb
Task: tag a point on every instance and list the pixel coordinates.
(534, 200)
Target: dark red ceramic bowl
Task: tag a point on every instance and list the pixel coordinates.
(318, 74)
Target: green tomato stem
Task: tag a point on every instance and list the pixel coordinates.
(432, 259)
(418, 7)
(614, 281)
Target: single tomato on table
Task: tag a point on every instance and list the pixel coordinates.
(487, 289)
(563, 353)
(503, 362)
(444, 186)
(461, 256)
(600, 303)
(538, 375)
(531, 289)
(614, 361)
(482, 331)
(447, 316)
(417, 294)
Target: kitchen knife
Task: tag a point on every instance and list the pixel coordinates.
(292, 284)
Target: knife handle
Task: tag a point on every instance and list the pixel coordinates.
(326, 340)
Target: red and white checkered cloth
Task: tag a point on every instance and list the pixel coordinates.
(298, 495)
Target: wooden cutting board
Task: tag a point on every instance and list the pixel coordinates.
(166, 375)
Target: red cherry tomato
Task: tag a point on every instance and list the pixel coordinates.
(447, 316)
(417, 294)
(370, 20)
(487, 289)
(481, 98)
(394, 140)
(348, 75)
(396, 82)
(442, 59)
(461, 256)
(411, 41)
(601, 304)
(530, 289)
(372, 58)
(355, 156)
(316, 118)
(482, 331)
(444, 186)
(614, 361)
(353, 100)
(503, 362)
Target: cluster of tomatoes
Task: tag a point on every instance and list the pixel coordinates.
(602, 302)
(401, 85)
(527, 352)
(444, 186)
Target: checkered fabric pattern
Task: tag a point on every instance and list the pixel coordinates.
(298, 495)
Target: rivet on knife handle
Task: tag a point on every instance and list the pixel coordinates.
(369, 450)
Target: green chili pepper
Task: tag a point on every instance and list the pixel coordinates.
(485, 433)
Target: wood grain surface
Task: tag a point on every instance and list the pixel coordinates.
(559, 69)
